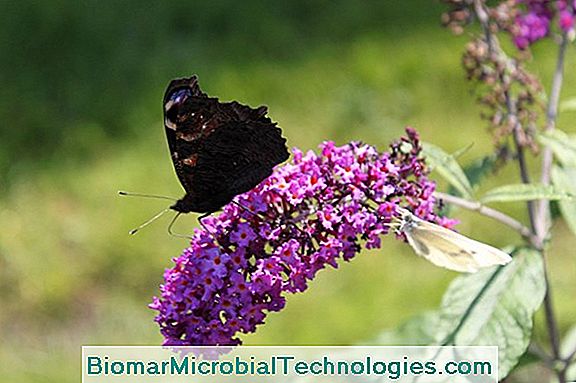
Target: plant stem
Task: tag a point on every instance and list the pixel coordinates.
(511, 108)
(543, 208)
(522, 162)
(488, 212)
(551, 317)
(536, 350)
(539, 211)
(543, 211)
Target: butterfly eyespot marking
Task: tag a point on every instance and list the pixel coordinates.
(191, 161)
(188, 136)
(173, 106)
(178, 97)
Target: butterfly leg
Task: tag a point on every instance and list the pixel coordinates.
(172, 233)
(176, 234)
(247, 210)
(225, 248)
(204, 226)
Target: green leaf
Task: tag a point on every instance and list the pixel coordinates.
(495, 307)
(462, 151)
(527, 359)
(568, 105)
(447, 166)
(475, 172)
(478, 169)
(566, 348)
(524, 192)
(562, 145)
(416, 331)
(565, 179)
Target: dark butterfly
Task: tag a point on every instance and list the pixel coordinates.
(219, 149)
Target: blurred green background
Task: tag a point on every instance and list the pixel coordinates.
(81, 85)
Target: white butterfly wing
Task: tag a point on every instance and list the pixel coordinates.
(446, 248)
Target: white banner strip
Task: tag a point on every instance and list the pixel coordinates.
(145, 364)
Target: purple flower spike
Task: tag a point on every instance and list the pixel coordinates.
(308, 215)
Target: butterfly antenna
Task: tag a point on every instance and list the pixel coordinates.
(224, 248)
(205, 227)
(129, 194)
(160, 214)
(246, 209)
(177, 235)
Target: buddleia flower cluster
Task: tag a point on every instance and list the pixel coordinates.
(526, 21)
(310, 214)
(512, 98)
(537, 18)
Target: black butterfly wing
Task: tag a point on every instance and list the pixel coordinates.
(242, 154)
(219, 149)
(233, 160)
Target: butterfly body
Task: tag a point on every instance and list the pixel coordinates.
(219, 150)
(446, 248)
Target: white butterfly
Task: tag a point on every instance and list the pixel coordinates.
(446, 248)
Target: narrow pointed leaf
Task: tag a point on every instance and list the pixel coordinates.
(562, 145)
(462, 151)
(495, 307)
(447, 166)
(475, 172)
(565, 178)
(525, 192)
